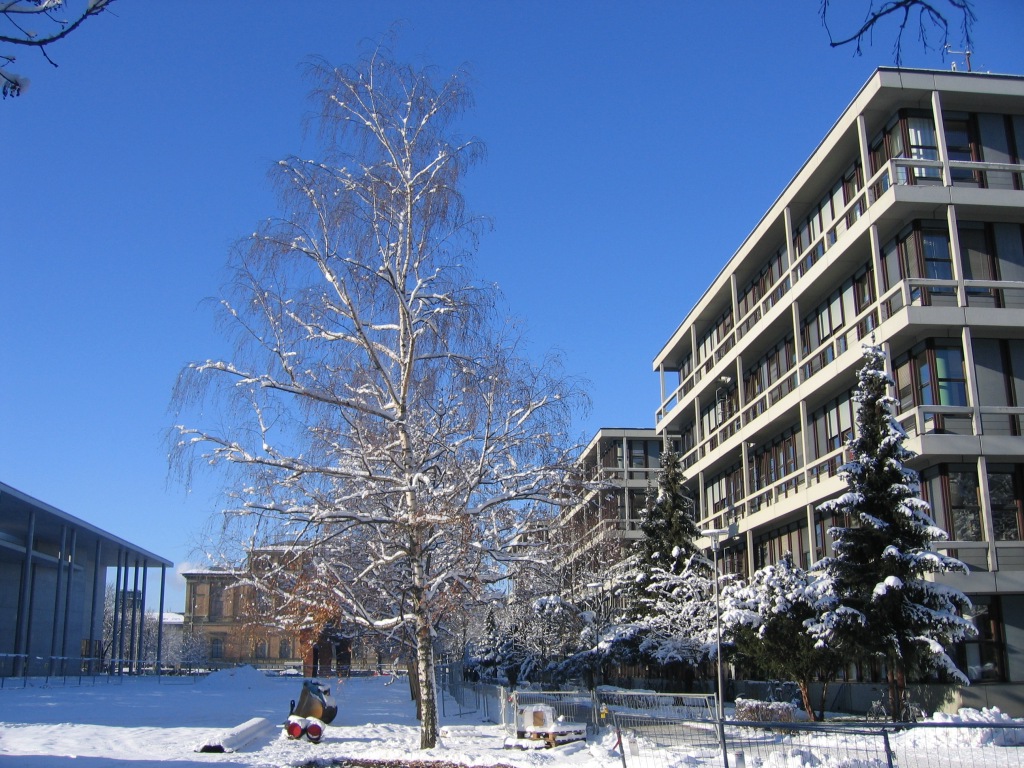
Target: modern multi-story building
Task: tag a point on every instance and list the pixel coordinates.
(54, 572)
(905, 226)
(620, 465)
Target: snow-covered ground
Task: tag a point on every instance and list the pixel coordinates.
(145, 723)
(141, 722)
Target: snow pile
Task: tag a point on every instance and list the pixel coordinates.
(246, 677)
(804, 758)
(978, 737)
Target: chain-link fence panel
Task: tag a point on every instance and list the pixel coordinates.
(680, 706)
(557, 715)
(658, 742)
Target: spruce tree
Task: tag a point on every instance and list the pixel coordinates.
(668, 526)
(668, 586)
(883, 607)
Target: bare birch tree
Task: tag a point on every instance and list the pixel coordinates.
(378, 407)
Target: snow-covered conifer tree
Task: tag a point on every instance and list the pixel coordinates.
(668, 527)
(883, 606)
(668, 582)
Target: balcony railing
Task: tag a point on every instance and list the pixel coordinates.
(938, 420)
(898, 172)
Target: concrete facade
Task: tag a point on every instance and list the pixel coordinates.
(906, 226)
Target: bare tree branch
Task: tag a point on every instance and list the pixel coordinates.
(926, 15)
(14, 11)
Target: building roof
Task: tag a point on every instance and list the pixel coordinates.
(16, 509)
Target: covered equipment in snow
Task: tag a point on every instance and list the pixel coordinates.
(316, 701)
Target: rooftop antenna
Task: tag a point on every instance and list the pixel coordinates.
(965, 54)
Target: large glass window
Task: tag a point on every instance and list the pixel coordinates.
(1004, 492)
(763, 286)
(770, 547)
(978, 257)
(771, 368)
(921, 250)
(921, 145)
(952, 491)
(961, 145)
(720, 331)
(950, 378)
(852, 183)
(983, 658)
(932, 373)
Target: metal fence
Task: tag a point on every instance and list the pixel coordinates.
(568, 706)
(657, 742)
(652, 730)
(682, 706)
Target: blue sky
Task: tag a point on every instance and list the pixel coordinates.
(631, 148)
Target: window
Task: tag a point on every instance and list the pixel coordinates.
(763, 286)
(770, 547)
(216, 648)
(611, 458)
(921, 145)
(637, 454)
(921, 250)
(778, 460)
(216, 602)
(910, 134)
(723, 489)
(720, 331)
(979, 262)
(260, 651)
(832, 425)
(284, 649)
(201, 600)
(771, 368)
(950, 379)
(961, 145)
(952, 491)
(852, 182)
(932, 373)
(1004, 484)
(983, 658)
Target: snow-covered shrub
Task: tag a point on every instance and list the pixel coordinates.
(757, 711)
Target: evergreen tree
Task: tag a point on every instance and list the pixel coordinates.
(669, 587)
(882, 606)
(668, 527)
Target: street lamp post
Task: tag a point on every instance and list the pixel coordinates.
(717, 535)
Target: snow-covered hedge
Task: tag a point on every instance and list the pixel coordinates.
(756, 711)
